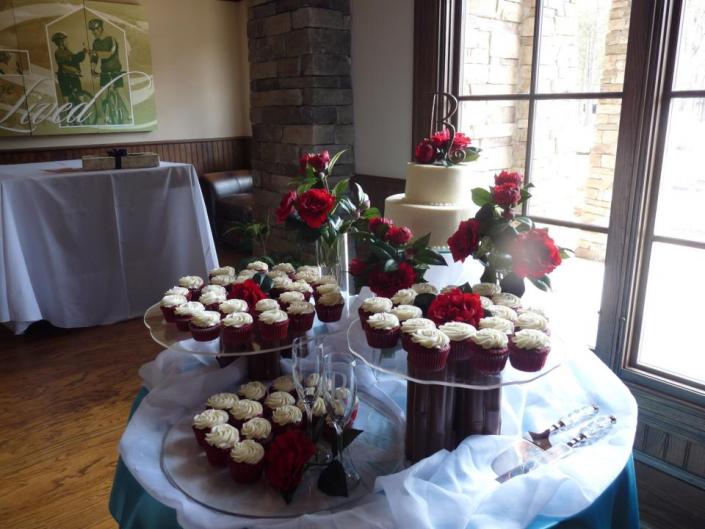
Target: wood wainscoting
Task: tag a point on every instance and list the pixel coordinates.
(379, 188)
(206, 155)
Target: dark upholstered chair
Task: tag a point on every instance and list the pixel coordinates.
(229, 198)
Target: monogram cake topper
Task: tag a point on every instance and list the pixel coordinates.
(445, 101)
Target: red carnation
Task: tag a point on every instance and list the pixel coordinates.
(386, 284)
(456, 305)
(425, 152)
(506, 195)
(441, 138)
(357, 267)
(248, 291)
(319, 162)
(286, 459)
(398, 235)
(505, 177)
(465, 240)
(460, 141)
(534, 254)
(376, 224)
(314, 205)
(286, 206)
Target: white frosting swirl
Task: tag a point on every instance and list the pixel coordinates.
(424, 288)
(493, 322)
(317, 410)
(300, 307)
(173, 300)
(537, 310)
(247, 274)
(288, 414)
(223, 436)
(486, 289)
(457, 331)
(206, 318)
(307, 276)
(430, 338)
(290, 297)
(312, 380)
(237, 319)
(222, 271)
(414, 324)
(176, 291)
(223, 281)
(309, 268)
(191, 282)
(490, 339)
(406, 312)
(383, 321)
(189, 309)
(209, 298)
(247, 451)
(325, 288)
(531, 339)
(486, 303)
(209, 418)
(253, 390)
(284, 383)
(326, 280)
(374, 305)
(532, 320)
(222, 401)
(214, 288)
(501, 311)
(331, 299)
(272, 274)
(300, 286)
(266, 304)
(257, 428)
(277, 399)
(287, 268)
(405, 296)
(507, 299)
(271, 317)
(258, 266)
(246, 409)
(231, 306)
(448, 288)
(282, 282)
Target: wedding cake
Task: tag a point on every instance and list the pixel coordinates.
(436, 199)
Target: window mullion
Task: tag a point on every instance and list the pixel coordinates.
(535, 58)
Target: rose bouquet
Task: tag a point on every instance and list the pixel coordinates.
(391, 260)
(509, 246)
(446, 147)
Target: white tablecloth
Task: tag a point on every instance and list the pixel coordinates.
(89, 248)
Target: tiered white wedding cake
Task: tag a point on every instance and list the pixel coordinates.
(437, 198)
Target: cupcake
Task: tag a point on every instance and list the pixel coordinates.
(258, 267)
(537, 310)
(222, 401)
(275, 400)
(222, 281)
(408, 327)
(219, 441)
(329, 433)
(168, 305)
(273, 326)
(244, 275)
(212, 299)
(236, 329)
(218, 289)
(193, 283)
(258, 429)
(329, 307)
(424, 288)
(508, 300)
(284, 383)
(318, 410)
(231, 306)
(459, 334)
(264, 305)
(528, 350)
(244, 410)
(532, 320)
(500, 311)
(273, 274)
(246, 461)
(428, 349)
(382, 330)
(303, 287)
(342, 395)
(301, 314)
(314, 270)
(179, 291)
(204, 421)
(287, 268)
(205, 325)
(253, 390)
(489, 351)
(405, 296)
(486, 289)
(406, 312)
(325, 288)
(286, 418)
(372, 306)
(486, 303)
(307, 275)
(287, 298)
(279, 286)
(221, 271)
(183, 313)
(493, 322)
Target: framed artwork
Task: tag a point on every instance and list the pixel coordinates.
(74, 67)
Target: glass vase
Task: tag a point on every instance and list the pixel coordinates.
(332, 259)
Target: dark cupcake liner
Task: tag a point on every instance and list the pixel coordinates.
(529, 360)
(300, 323)
(425, 359)
(460, 351)
(244, 472)
(204, 334)
(273, 332)
(234, 336)
(182, 323)
(381, 338)
(329, 313)
(489, 361)
(200, 435)
(217, 457)
(168, 313)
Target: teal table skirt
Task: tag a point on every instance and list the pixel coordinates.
(616, 508)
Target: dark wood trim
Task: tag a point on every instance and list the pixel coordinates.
(542, 96)
(700, 245)
(570, 224)
(379, 187)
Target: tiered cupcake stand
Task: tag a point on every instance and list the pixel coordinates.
(388, 444)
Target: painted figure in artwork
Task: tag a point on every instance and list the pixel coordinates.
(105, 52)
(68, 69)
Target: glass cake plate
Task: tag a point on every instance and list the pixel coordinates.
(378, 451)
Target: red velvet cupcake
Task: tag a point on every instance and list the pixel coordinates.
(528, 350)
(303, 287)
(205, 326)
(231, 306)
(204, 421)
(372, 306)
(329, 306)
(253, 390)
(532, 320)
(183, 314)
(258, 429)
(428, 350)
(459, 334)
(324, 288)
(243, 411)
(284, 383)
(219, 441)
(246, 461)
(221, 271)
(408, 327)
(286, 418)
(273, 326)
(194, 285)
(168, 305)
(275, 400)
(212, 299)
(382, 330)
(287, 298)
(301, 315)
(236, 330)
(489, 351)
(179, 291)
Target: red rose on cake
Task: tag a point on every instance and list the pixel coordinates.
(287, 458)
(386, 284)
(460, 140)
(534, 254)
(286, 206)
(465, 240)
(248, 291)
(506, 195)
(425, 152)
(456, 305)
(314, 205)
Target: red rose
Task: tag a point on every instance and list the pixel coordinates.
(286, 459)
(460, 141)
(386, 284)
(398, 235)
(425, 152)
(465, 240)
(303, 161)
(505, 177)
(456, 305)
(506, 195)
(248, 291)
(357, 267)
(534, 254)
(441, 138)
(319, 162)
(314, 205)
(286, 206)
(376, 224)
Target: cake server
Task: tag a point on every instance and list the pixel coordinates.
(593, 431)
(533, 442)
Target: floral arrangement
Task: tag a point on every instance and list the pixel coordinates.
(458, 304)
(287, 459)
(446, 147)
(392, 261)
(509, 246)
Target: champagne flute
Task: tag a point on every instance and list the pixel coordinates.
(340, 395)
(306, 370)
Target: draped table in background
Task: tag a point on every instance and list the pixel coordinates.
(81, 248)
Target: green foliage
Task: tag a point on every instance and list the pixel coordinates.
(481, 196)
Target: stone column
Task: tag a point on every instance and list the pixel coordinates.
(301, 96)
